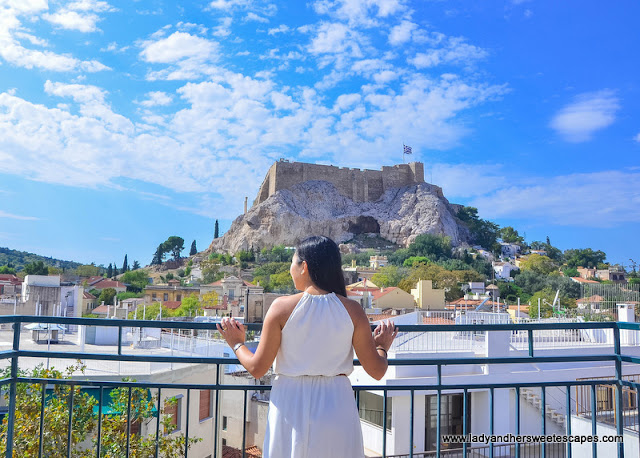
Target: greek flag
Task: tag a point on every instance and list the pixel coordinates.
(407, 149)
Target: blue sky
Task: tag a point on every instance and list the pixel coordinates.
(122, 123)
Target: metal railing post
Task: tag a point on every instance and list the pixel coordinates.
(619, 411)
(13, 387)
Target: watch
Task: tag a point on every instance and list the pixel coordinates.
(237, 346)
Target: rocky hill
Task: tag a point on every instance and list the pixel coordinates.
(317, 208)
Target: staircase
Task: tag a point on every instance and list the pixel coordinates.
(535, 400)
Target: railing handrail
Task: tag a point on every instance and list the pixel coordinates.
(437, 383)
(258, 326)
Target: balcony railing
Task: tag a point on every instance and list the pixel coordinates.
(621, 398)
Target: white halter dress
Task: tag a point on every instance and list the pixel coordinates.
(312, 411)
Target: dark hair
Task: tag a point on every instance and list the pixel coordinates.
(324, 263)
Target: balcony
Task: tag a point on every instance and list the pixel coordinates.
(563, 378)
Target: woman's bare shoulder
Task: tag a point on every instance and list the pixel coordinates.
(283, 306)
(353, 308)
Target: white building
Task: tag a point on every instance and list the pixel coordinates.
(449, 346)
(503, 270)
(509, 250)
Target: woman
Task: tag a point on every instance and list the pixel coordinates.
(311, 336)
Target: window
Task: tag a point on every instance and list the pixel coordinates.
(371, 408)
(178, 297)
(224, 442)
(153, 296)
(232, 293)
(451, 421)
(224, 423)
(165, 297)
(206, 405)
(174, 409)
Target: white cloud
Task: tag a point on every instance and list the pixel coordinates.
(114, 47)
(78, 92)
(157, 98)
(361, 12)
(227, 4)
(401, 33)
(80, 15)
(581, 200)
(4, 214)
(456, 52)
(251, 16)
(176, 47)
(463, 181)
(224, 28)
(336, 43)
(282, 28)
(588, 113)
(72, 20)
(637, 138)
(189, 56)
(12, 51)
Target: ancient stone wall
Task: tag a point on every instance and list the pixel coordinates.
(358, 185)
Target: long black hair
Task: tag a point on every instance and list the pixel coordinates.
(324, 263)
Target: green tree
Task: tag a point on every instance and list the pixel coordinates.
(107, 296)
(530, 281)
(572, 272)
(151, 311)
(125, 265)
(442, 279)
(432, 246)
(7, 270)
(190, 306)
(36, 268)
(174, 245)
(210, 271)
(584, 257)
(56, 416)
(88, 270)
(546, 297)
(509, 235)
(136, 280)
(109, 271)
(413, 261)
(538, 263)
(159, 255)
(193, 249)
(135, 266)
(216, 230)
(210, 299)
(398, 257)
(282, 282)
(113, 432)
(509, 291)
(483, 232)
(128, 295)
(389, 276)
(245, 256)
(115, 270)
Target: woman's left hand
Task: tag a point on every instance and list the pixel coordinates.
(233, 331)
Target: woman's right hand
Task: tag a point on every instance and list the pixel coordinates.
(384, 334)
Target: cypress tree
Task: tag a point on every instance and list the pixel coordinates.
(109, 271)
(193, 249)
(125, 264)
(216, 232)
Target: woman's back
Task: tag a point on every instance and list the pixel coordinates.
(316, 339)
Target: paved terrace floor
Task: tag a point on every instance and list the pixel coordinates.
(69, 343)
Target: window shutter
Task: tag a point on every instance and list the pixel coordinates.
(205, 404)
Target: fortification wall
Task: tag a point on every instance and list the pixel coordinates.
(359, 185)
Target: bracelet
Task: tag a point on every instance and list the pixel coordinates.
(385, 351)
(237, 346)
